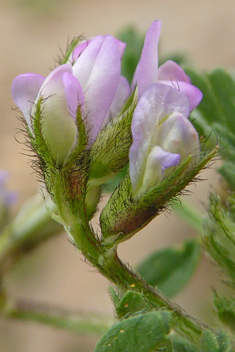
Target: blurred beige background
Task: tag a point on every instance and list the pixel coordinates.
(31, 32)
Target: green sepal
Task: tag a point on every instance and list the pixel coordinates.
(216, 341)
(70, 48)
(131, 303)
(218, 234)
(171, 268)
(37, 141)
(82, 139)
(109, 153)
(69, 179)
(125, 214)
(225, 309)
(75, 174)
(73, 179)
(140, 333)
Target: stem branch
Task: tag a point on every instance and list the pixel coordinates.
(73, 321)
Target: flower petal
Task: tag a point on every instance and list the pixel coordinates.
(121, 47)
(122, 92)
(73, 93)
(158, 161)
(193, 94)
(102, 85)
(157, 102)
(178, 135)
(79, 50)
(170, 71)
(24, 92)
(147, 68)
(84, 65)
(58, 127)
(53, 83)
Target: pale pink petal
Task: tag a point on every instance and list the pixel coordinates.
(193, 94)
(147, 68)
(84, 65)
(178, 135)
(170, 71)
(102, 85)
(157, 162)
(58, 127)
(121, 47)
(79, 50)
(24, 92)
(73, 93)
(53, 83)
(157, 102)
(122, 92)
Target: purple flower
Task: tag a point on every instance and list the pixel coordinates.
(90, 80)
(148, 73)
(7, 198)
(162, 136)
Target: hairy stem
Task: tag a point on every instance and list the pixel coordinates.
(108, 263)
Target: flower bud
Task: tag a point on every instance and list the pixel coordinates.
(89, 84)
(163, 159)
(162, 136)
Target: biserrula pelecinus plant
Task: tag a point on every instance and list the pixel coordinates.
(84, 122)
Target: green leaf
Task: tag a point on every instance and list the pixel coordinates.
(218, 103)
(140, 333)
(179, 344)
(216, 113)
(132, 302)
(224, 90)
(171, 268)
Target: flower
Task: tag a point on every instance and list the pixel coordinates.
(148, 73)
(162, 136)
(7, 198)
(90, 80)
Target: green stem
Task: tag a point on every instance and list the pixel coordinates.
(108, 263)
(76, 322)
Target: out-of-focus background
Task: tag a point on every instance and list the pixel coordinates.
(31, 33)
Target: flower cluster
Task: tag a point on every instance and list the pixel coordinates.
(91, 82)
